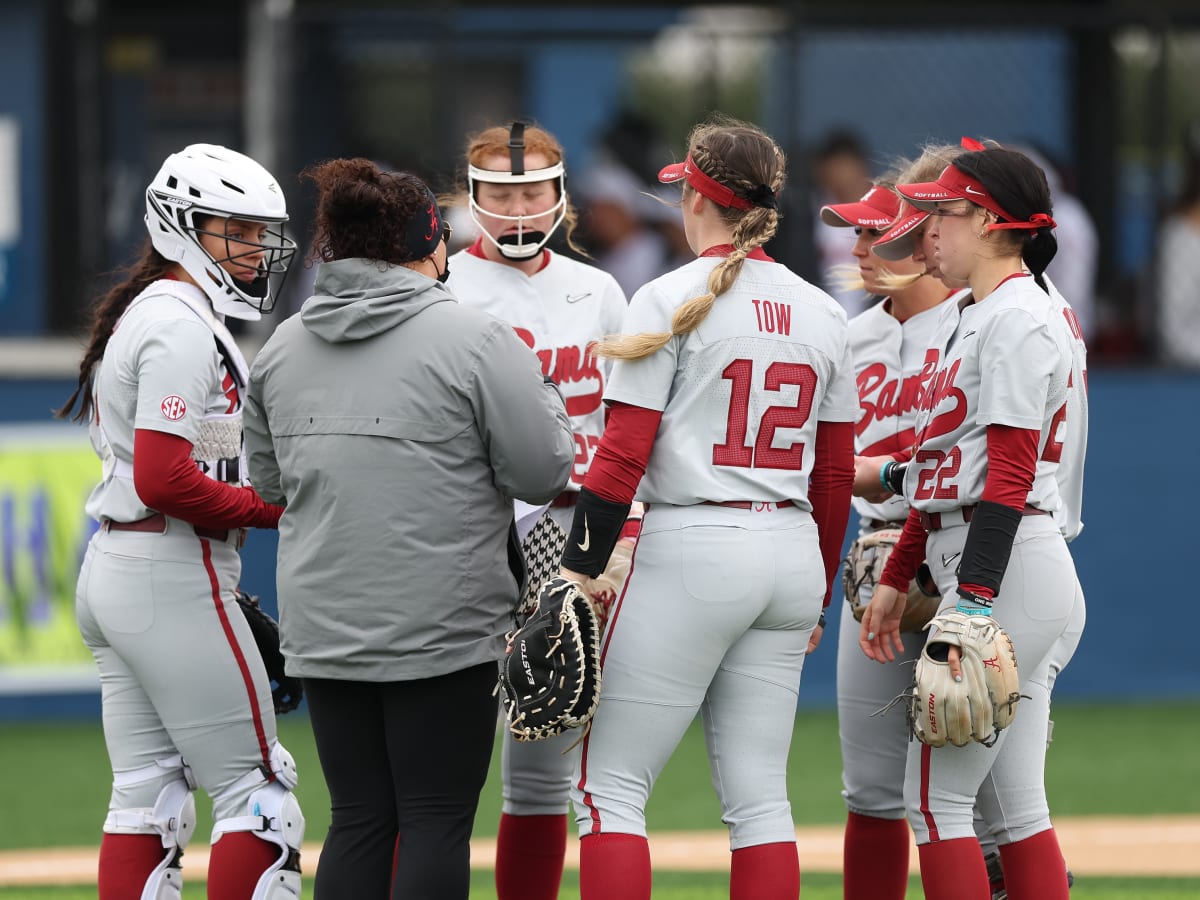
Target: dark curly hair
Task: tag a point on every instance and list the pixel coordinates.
(364, 212)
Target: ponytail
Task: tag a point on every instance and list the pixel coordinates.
(746, 160)
(1037, 252)
(149, 267)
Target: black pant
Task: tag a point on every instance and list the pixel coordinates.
(405, 762)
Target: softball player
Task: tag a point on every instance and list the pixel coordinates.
(516, 194)
(987, 511)
(731, 416)
(186, 700)
(894, 367)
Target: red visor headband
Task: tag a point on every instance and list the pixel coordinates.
(959, 185)
(709, 187)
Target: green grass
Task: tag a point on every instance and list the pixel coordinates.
(55, 787)
(688, 886)
(54, 792)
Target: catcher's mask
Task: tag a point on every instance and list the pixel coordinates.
(525, 242)
(201, 190)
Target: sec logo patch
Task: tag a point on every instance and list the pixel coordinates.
(173, 408)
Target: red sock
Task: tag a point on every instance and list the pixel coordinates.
(614, 867)
(765, 872)
(875, 858)
(126, 861)
(1034, 868)
(954, 870)
(237, 861)
(529, 856)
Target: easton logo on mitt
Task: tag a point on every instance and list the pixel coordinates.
(943, 711)
(550, 677)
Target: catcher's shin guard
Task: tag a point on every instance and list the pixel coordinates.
(172, 819)
(272, 815)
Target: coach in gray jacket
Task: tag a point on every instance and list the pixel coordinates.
(395, 425)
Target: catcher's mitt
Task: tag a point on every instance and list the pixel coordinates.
(550, 677)
(286, 692)
(984, 702)
(543, 549)
(860, 575)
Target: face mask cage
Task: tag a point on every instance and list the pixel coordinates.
(277, 251)
(525, 242)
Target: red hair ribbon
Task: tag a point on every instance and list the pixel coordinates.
(1036, 221)
(969, 143)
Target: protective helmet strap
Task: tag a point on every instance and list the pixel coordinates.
(516, 147)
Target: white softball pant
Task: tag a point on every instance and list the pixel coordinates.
(716, 616)
(179, 670)
(1041, 606)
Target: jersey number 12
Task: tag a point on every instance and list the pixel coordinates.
(735, 451)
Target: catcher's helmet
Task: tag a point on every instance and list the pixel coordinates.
(525, 243)
(204, 180)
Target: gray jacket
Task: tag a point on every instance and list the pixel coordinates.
(395, 424)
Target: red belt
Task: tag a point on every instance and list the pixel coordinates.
(157, 523)
(747, 504)
(566, 498)
(933, 521)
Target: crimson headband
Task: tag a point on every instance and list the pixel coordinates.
(954, 184)
(713, 189)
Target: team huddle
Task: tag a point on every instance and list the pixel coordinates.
(493, 456)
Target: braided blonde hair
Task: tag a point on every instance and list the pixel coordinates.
(742, 157)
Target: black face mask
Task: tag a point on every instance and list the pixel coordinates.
(445, 273)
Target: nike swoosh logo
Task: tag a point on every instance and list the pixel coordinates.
(967, 335)
(971, 190)
(587, 536)
(946, 560)
(575, 298)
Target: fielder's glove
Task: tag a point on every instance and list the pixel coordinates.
(981, 705)
(860, 576)
(286, 692)
(550, 676)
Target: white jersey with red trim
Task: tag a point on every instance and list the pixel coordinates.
(1073, 430)
(741, 395)
(558, 311)
(171, 366)
(894, 366)
(1005, 361)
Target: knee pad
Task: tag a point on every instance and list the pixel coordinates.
(173, 819)
(273, 815)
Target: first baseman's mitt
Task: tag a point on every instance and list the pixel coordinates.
(286, 692)
(550, 677)
(984, 702)
(860, 575)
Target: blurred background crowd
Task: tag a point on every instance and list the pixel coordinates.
(98, 91)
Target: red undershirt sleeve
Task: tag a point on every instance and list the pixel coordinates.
(620, 460)
(829, 490)
(1012, 461)
(168, 480)
(907, 555)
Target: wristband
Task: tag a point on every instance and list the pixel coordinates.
(972, 604)
(892, 476)
(883, 474)
(821, 619)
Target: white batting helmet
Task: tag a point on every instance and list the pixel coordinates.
(205, 180)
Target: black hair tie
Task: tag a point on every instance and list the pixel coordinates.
(762, 195)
